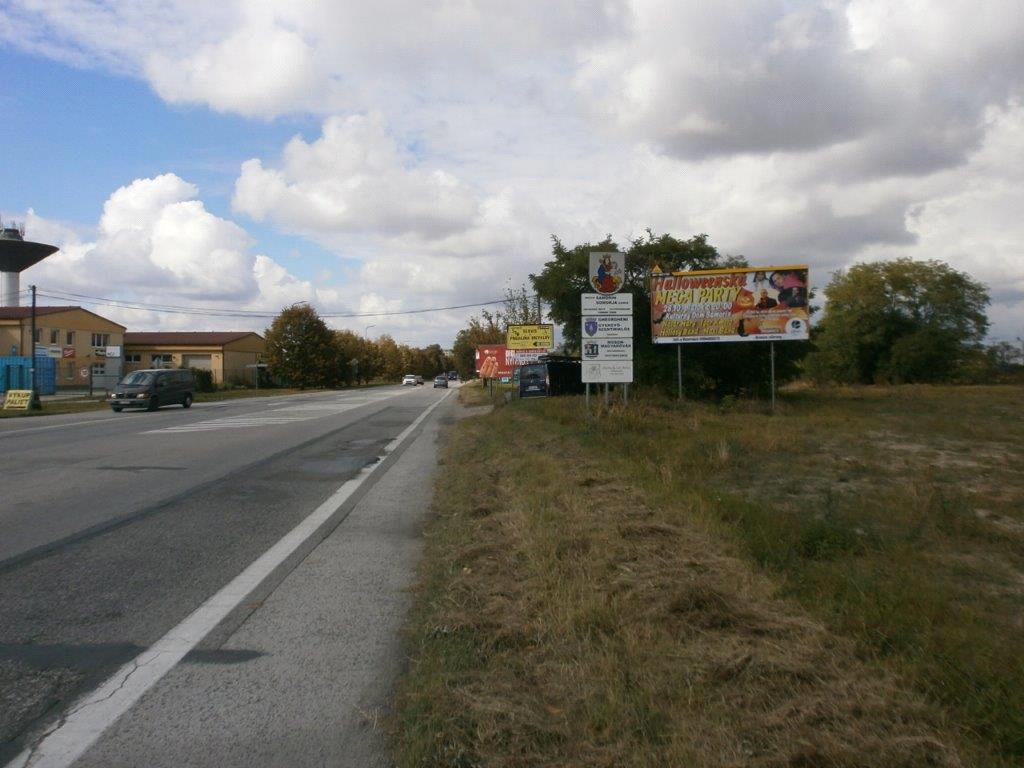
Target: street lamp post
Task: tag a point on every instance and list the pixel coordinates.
(367, 330)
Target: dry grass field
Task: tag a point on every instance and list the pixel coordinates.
(840, 584)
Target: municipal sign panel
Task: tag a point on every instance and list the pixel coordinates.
(607, 327)
(530, 336)
(607, 304)
(607, 349)
(600, 372)
(607, 271)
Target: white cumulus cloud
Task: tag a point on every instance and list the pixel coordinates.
(354, 178)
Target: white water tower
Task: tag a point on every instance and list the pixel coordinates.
(17, 255)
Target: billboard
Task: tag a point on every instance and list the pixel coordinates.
(496, 361)
(540, 336)
(746, 304)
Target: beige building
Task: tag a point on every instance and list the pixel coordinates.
(83, 343)
(228, 355)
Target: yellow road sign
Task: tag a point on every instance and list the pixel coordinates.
(530, 336)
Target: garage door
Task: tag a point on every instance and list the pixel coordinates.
(202, 362)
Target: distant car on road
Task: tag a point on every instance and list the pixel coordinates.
(441, 381)
(152, 388)
(453, 375)
(409, 380)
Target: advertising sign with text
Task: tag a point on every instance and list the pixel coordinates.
(530, 337)
(749, 304)
(496, 361)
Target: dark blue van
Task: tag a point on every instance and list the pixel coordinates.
(549, 377)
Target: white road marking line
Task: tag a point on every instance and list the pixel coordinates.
(91, 715)
(286, 415)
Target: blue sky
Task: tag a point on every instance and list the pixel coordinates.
(74, 135)
(375, 157)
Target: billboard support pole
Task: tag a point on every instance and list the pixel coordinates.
(606, 388)
(679, 369)
(625, 394)
(771, 350)
(588, 398)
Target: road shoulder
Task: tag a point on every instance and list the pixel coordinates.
(304, 680)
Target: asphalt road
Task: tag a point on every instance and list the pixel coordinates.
(117, 526)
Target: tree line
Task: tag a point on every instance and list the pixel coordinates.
(303, 352)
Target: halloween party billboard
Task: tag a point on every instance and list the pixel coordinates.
(749, 304)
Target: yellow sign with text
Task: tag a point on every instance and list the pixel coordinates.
(17, 399)
(530, 336)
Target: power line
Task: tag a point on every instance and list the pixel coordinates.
(241, 313)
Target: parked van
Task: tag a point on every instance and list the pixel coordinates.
(152, 388)
(562, 376)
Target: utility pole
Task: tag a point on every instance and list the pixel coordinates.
(34, 403)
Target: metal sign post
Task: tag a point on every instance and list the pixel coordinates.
(679, 369)
(34, 403)
(771, 350)
(256, 367)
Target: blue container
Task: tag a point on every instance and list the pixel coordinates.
(15, 374)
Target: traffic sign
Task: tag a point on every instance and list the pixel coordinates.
(541, 336)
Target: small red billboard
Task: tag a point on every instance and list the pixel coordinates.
(491, 361)
(496, 361)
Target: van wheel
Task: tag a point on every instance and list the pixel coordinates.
(153, 404)
(116, 408)
(187, 402)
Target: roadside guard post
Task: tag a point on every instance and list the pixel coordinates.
(606, 339)
(18, 400)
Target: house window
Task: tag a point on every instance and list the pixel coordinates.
(54, 336)
(100, 339)
(132, 359)
(161, 361)
(39, 335)
(98, 369)
(70, 338)
(69, 371)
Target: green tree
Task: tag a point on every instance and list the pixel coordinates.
(394, 358)
(361, 355)
(899, 321)
(486, 329)
(520, 308)
(301, 349)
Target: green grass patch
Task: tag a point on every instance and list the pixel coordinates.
(684, 584)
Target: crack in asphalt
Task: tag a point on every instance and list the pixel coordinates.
(65, 716)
